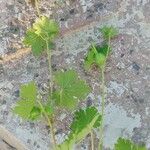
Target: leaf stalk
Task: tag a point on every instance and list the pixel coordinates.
(92, 141)
(37, 7)
(49, 123)
(50, 68)
(50, 87)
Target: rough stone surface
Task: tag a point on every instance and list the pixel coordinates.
(128, 70)
(9, 141)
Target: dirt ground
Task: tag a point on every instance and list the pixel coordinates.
(127, 109)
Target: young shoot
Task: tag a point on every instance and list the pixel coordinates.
(98, 55)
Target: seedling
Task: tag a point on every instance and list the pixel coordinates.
(69, 88)
(98, 56)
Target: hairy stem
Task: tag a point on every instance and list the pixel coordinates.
(103, 99)
(50, 68)
(49, 123)
(102, 108)
(37, 7)
(61, 91)
(92, 141)
(50, 84)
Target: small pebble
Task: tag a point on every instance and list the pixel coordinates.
(135, 66)
(131, 51)
(28, 141)
(35, 143)
(16, 93)
(99, 6)
(89, 102)
(72, 11)
(36, 75)
(122, 55)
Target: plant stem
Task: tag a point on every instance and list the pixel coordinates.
(49, 123)
(61, 91)
(50, 68)
(108, 48)
(37, 7)
(50, 84)
(92, 141)
(103, 99)
(103, 107)
(94, 48)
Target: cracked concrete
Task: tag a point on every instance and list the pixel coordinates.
(128, 70)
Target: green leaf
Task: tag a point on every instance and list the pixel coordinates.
(125, 144)
(89, 60)
(35, 41)
(71, 89)
(48, 29)
(96, 55)
(109, 32)
(49, 110)
(104, 49)
(28, 94)
(35, 113)
(66, 145)
(83, 118)
(100, 59)
(83, 123)
(43, 30)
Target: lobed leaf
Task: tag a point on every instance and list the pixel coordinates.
(71, 89)
(28, 94)
(83, 123)
(104, 49)
(27, 108)
(125, 144)
(43, 30)
(109, 32)
(35, 41)
(82, 118)
(48, 29)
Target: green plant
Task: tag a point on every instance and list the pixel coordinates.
(98, 56)
(125, 144)
(83, 124)
(69, 89)
(30, 98)
(40, 37)
(30, 107)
